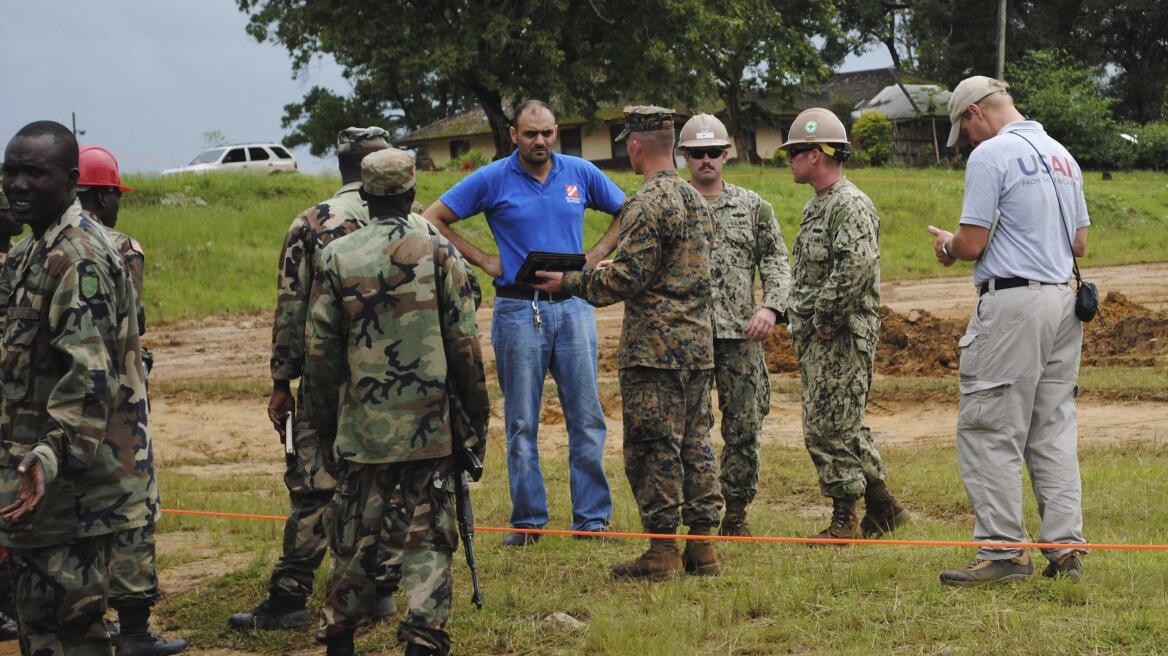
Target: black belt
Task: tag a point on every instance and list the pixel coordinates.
(527, 294)
(1006, 283)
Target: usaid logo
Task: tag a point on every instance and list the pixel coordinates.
(572, 193)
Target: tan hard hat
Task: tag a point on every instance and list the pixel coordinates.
(816, 126)
(703, 130)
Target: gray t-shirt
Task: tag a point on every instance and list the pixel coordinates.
(1032, 240)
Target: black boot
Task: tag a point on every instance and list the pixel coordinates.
(340, 645)
(415, 649)
(277, 612)
(134, 636)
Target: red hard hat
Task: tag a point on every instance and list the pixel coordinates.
(99, 168)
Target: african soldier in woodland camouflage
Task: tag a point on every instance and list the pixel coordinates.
(78, 466)
(666, 355)
(835, 318)
(133, 561)
(310, 484)
(393, 344)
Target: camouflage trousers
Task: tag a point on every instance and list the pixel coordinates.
(310, 489)
(669, 459)
(836, 375)
(417, 498)
(133, 568)
(744, 397)
(61, 596)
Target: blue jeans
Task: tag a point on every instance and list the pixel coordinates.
(567, 347)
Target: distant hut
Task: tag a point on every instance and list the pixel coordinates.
(920, 121)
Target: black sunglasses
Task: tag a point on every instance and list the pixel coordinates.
(795, 152)
(713, 152)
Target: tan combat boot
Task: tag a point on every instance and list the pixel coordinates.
(661, 561)
(699, 556)
(844, 523)
(883, 513)
(734, 521)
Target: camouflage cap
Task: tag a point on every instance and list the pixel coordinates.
(387, 172)
(646, 118)
(370, 138)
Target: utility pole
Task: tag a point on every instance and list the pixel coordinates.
(1001, 71)
(76, 132)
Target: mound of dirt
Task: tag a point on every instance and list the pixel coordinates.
(920, 344)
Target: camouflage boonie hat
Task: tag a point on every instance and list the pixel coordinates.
(646, 118)
(370, 138)
(387, 172)
(3, 200)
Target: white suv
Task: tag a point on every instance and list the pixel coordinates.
(252, 157)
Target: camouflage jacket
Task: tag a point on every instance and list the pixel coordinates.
(836, 264)
(73, 387)
(393, 345)
(747, 239)
(300, 259)
(135, 260)
(662, 272)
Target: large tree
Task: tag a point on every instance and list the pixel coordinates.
(762, 47)
(425, 59)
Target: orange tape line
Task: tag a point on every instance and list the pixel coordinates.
(753, 538)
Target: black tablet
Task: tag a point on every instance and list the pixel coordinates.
(544, 261)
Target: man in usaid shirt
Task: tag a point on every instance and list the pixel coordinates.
(1023, 221)
(534, 200)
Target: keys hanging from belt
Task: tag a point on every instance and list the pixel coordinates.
(535, 314)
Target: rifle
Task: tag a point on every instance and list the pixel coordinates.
(468, 465)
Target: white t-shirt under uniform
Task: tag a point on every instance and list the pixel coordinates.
(1032, 241)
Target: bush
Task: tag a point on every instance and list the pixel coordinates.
(468, 161)
(779, 159)
(1150, 150)
(1067, 97)
(872, 139)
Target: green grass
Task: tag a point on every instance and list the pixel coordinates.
(772, 599)
(215, 251)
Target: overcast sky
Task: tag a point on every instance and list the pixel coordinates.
(148, 78)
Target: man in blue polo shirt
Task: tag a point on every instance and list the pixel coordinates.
(534, 200)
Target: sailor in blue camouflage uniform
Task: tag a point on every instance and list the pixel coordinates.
(834, 313)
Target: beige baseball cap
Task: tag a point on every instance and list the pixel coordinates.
(387, 172)
(968, 92)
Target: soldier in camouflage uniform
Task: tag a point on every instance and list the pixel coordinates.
(133, 563)
(393, 344)
(74, 419)
(666, 354)
(310, 483)
(9, 228)
(747, 239)
(834, 316)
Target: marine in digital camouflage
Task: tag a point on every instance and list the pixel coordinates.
(669, 459)
(662, 272)
(747, 240)
(393, 343)
(836, 268)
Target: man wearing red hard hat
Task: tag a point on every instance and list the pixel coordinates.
(133, 566)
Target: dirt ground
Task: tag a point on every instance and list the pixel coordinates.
(922, 322)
